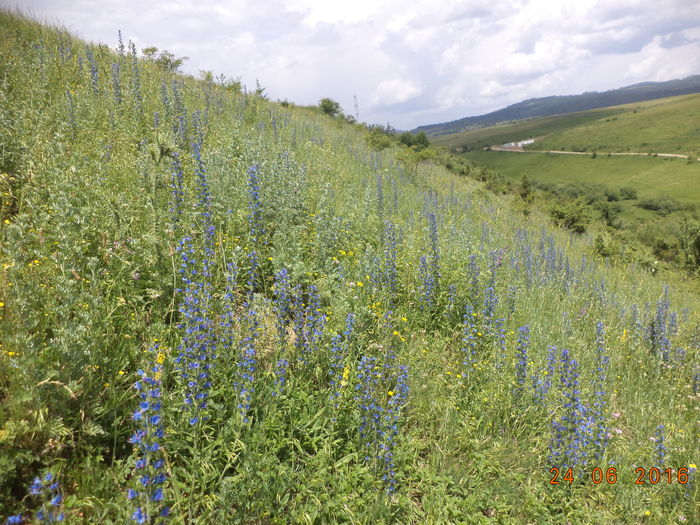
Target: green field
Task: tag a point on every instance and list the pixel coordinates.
(651, 176)
(519, 130)
(234, 311)
(669, 125)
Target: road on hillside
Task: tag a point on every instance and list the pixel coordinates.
(518, 149)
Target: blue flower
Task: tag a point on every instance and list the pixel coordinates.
(157, 495)
(36, 487)
(661, 449)
(139, 516)
(149, 462)
(51, 499)
(521, 365)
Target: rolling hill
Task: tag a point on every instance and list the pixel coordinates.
(668, 125)
(559, 105)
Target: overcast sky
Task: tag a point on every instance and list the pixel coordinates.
(409, 62)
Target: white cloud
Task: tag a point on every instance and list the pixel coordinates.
(394, 91)
(409, 63)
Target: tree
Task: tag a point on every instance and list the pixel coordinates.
(377, 138)
(610, 212)
(330, 107)
(406, 138)
(150, 52)
(165, 60)
(420, 141)
(525, 191)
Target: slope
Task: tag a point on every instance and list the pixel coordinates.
(557, 105)
(666, 125)
(232, 311)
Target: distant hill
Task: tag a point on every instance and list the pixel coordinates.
(662, 125)
(559, 105)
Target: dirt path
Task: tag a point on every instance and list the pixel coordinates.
(516, 149)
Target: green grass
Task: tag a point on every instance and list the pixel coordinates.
(651, 176)
(668, 125)
(519, 130)
(432, 267)
(638, 230)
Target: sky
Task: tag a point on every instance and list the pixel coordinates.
(409, 63)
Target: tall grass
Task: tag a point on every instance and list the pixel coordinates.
(214, 308)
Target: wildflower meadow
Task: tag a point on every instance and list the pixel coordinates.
(215, 308)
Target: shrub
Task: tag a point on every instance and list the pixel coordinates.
(330, 107)
(663, 204)
(601, 246)
(609, 213)
(628, 193)
(378, 139)
(612, 195)
(572, 215)
(664, 249)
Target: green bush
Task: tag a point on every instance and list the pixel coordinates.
(572, 215)
(663, 205)
(628, 193)
(330, 107)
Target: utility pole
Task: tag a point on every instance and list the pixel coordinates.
(357, 109)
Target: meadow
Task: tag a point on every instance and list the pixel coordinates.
(215, 308)
(653, 221)
(667, 125)
(650, 176)
(480, 138)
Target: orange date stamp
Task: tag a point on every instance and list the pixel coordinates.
(641, 476)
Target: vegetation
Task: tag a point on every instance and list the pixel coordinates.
(666, 125)
(572, 215)
(483, 137)
(164, 59)
(644, 199)
(330, 107)
(226, 310)
(560, 105)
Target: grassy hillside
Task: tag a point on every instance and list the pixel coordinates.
(560, 105)
(661, 215)
(650, 176)
(668, 125)
(480, 138)
(229, 311)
